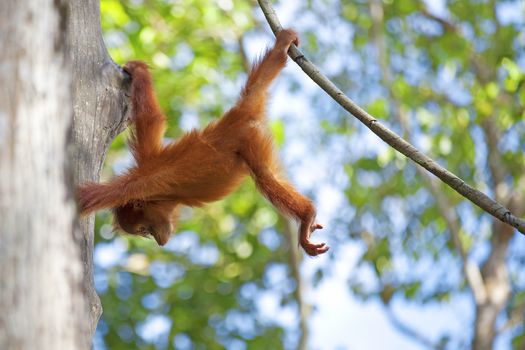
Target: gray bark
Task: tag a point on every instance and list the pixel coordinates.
(62, 101)
(42, 304)
(100, 105)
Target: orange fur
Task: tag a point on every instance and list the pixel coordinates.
(203, 165)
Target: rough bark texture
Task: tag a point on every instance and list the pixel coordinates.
(42, 304)
(100, 105)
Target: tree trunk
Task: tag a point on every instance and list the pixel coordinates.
(54, 66)
(100, 105)
(42, 304)
(495, 274)
(497, 284)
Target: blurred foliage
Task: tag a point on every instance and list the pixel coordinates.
(213, 285)
(456, 76)
(450, 77)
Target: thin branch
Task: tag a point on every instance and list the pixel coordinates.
(477, 197)
(407, 330)
(471, 270)
(447, 25)
(244, 57)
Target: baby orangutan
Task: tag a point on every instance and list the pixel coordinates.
(203, 165)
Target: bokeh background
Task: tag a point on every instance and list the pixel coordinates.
(410, 259)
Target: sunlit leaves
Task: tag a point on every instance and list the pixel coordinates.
(514, 74)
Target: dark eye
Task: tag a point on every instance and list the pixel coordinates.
(142, 230)
(138, 205)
